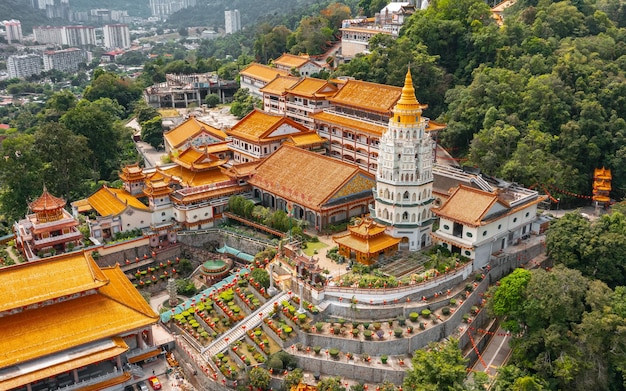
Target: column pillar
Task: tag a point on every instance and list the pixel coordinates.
(75, 375)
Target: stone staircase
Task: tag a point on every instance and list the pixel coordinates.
(237, 331)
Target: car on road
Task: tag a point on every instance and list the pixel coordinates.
(142, 386)
(154, 383)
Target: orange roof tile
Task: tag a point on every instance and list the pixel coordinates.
(29, 283)
(187, 177)
(241, 170)
(116, 347)
(370, 245)
(306, 139)
(189, 129)
(375, 97)
(82, 206)
(262, 72)
(312, 87)
(366, 30)
(467, 205)
(115, 309)
(291, 60)
(132, 172)
(46, 202)
(259, 126)
(197, 159)
(435, 126)
(108, 201)
(349, 122)
(305, 177)
(280, 84)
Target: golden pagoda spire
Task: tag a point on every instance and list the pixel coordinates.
(407, 109)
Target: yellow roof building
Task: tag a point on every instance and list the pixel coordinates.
(280, 84)
(311, 87)
(262, 72)
(378, 98)
(366, 241)
(260, 127)
(192, 130)
(310, 179)
(63, 313)
(291, 60)
(108, 201)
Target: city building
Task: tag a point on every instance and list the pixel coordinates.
(404, 179)
(49, 230)
(79, 36)
(260, 134)
(13, 31)
(301, 65)
(180, 91)
(68, 324)
(24, 65)
(116, 36)
(66, 60)
(164, 8)
(256, 76)
(49, 34)
(232, 21)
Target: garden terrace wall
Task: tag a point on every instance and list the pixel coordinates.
(367, 373)
(197, 375)
(215, 236)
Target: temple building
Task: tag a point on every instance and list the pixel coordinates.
(315, 188)
(49, 230)
(404, 179)
(366, 241)
(259, 134)
(68, 323)
(476, 223)
(193, 133)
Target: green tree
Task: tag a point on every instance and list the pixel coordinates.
(212, 100)
(440, 367)
(152, 132)
(508, 298)
(66, 157)
(293, 378)
(261, 276)
(243, 103)
(108, 85)
(330, 384)
(259, 378)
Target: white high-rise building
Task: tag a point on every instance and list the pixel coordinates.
(233, 21)
(116, 36)
(14, 30)
(75, 36)
(164, 8)
(24, 65)
(63, 60)
(404, 180)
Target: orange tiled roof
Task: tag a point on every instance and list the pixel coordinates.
(280, 84)
(367, 227)
(115, 309)
(46, 201)
(29, 283)
(241, 170)
(117, 347)
(259, 126)
(348, 122)
(190, 129)
(197, 159)
(291, 60)
(132, 172)
(82, 206)
(306, 139)
(110, 202)
(367, 96)
(262, 72)
(304, 177)
(312, 87)
(435, 126)
(467, 205)
(370, 245)
(188, 178)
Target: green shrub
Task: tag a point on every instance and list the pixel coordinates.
(366, 326)
(445, 311)
(317, 349)
(413, 316)
(319, 326)
(422, 326)
(469, 287)
(466, 318)
(384, 358)
(377, 326)
(452, 302)
(302, 318)
(367, 334)
(401, 320)
(334, 352)
(426, 313)
(398, 332)
(355, 332)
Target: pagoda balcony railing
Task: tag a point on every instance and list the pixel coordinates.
(95, 380)
(357, 117)
(65, 220)
(52, 240)
(200, 189)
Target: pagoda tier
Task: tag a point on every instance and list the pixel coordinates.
(47, 207)
(602, 184)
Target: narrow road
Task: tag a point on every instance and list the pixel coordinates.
(496, 354)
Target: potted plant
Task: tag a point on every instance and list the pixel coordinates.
(384, 358)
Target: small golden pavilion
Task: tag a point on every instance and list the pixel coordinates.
(366, 241)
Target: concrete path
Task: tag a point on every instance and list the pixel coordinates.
(496, 354)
